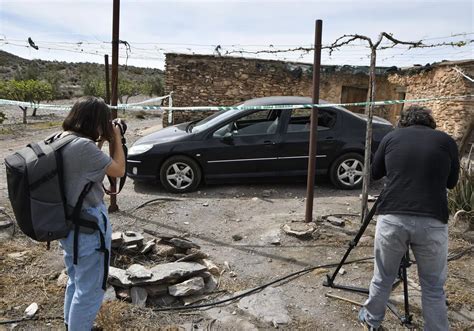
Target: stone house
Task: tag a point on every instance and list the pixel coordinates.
(207, 80)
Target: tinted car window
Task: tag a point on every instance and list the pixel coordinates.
(300, 120)
(257, 123)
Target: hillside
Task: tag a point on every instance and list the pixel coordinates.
(68, 75)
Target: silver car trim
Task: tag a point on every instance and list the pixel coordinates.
(263, 159)
(134, 161)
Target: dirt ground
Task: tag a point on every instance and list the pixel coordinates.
(213, 217)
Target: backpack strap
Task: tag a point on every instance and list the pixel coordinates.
(122, 179)
(79, 222)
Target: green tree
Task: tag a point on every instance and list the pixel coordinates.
(127, 89)
(54, 79)
(153, 86)
(27, 90)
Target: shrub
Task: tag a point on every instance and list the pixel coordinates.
(461, 198)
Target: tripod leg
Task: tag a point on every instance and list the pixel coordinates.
(330, 280)
(406, 320)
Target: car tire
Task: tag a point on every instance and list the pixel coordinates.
(180, 174)
(346, 171)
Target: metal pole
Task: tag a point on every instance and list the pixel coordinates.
(115, 52)
(107, 80)
(314, 122)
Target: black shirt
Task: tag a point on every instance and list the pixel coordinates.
(420, 163)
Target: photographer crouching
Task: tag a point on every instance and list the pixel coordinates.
(419, 162)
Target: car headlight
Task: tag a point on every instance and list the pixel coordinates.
(139, 149)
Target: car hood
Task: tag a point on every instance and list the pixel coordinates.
(168, 134)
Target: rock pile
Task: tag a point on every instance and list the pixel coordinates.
(185, 280)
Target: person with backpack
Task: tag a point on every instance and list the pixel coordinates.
(86, 250)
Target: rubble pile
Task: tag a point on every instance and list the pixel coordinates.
(184, 276)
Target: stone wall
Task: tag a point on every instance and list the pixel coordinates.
(438, 80)
(204, 80)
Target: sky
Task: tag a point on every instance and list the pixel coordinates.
(81, 31)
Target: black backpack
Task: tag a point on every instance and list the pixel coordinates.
(36, 192)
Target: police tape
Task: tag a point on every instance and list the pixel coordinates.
(221, 108)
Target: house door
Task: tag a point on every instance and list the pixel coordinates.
(354, 94)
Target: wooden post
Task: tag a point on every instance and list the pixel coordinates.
(113, 102)
(314, 122)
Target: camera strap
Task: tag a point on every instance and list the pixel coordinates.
(122, 179)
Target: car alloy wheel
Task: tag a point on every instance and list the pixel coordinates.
(347, 170)
(180, 174)
(350, 172)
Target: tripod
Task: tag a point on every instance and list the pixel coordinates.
(406, 318)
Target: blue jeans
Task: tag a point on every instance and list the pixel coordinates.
(428, 239)
(84, 293)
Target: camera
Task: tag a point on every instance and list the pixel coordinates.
(121, 124)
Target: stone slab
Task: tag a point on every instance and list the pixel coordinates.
(268, 306)
(161, 274)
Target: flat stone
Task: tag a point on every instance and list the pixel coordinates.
(137, 271)
(161, 274)
(148, 247)
(31, 310)
(299, 229)
(156, 290)
(211, 266)
(183, 243)
(132, 237)
(164, 250)
(194, 256)
(117, 239)
(267, 305)
(191, 286)
(210, 282)
(139, 296)
(62, 279)
(272, 237)
(336, 221)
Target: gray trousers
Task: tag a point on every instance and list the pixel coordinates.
(428, 239)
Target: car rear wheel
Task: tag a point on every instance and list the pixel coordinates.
(180, 174)
(347, 171)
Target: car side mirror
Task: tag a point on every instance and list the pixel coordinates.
(228, 137)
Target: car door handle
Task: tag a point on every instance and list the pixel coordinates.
(268, 142)
(329, 138)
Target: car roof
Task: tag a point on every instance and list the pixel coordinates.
(279, 100)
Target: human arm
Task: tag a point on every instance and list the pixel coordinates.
(454, 168)
(117, 167)
(378, 164)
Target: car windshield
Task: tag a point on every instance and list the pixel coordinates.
(213, 119)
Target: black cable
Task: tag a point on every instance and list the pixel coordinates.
(261, 287)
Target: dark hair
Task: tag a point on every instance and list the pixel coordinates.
(416, 115)
(90, 117)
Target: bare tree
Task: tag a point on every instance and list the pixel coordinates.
(369, 109)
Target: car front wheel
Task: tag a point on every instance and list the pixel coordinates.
(347, 171)
(180, 174)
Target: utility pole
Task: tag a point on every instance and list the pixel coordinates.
(314, 122)
(107, 79)
(113, 102)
